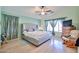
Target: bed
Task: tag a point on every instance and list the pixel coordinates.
(34, 36)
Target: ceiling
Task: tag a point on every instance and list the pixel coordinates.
(29, 11)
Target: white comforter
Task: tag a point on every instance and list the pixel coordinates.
(38, 36)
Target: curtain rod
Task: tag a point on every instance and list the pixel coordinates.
(57, 18)
(9, 15)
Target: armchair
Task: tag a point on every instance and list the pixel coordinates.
(70, 40)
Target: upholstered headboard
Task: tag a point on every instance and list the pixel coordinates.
(29, 27)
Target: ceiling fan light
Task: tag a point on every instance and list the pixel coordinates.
(42, 13)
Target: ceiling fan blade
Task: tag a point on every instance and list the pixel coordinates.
(37, 11)
(52, 11)
(48, 10)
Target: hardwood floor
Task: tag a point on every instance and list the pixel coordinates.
(20, 46)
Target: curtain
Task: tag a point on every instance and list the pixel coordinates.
(58, 27)
(46, 24)
(53, 24)
(9, 26)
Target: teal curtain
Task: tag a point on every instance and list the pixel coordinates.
(9, 26)
(46, 24)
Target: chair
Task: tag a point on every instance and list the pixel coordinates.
(70, 40)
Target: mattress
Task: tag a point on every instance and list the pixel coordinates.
(37, 37)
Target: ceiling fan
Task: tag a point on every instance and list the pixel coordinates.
(43, 10)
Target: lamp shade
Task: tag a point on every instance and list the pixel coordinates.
(41, 28)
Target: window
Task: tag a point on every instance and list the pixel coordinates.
(49, 27)
(57, 28)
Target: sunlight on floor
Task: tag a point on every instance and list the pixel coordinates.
(58, 44)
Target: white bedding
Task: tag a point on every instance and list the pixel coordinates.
(37, 37)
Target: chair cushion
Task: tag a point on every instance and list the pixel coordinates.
(74, 33)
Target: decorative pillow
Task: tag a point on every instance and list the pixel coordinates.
(27, 30)
(33, 29)
(74, 33)
(41, 29)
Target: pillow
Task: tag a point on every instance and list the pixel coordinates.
(33, 29)
(74, 33)
(27, 30)
(41, 29)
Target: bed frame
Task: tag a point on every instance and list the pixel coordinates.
(30, 27)
(33, 43)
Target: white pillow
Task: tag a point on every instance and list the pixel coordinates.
(74, 33)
